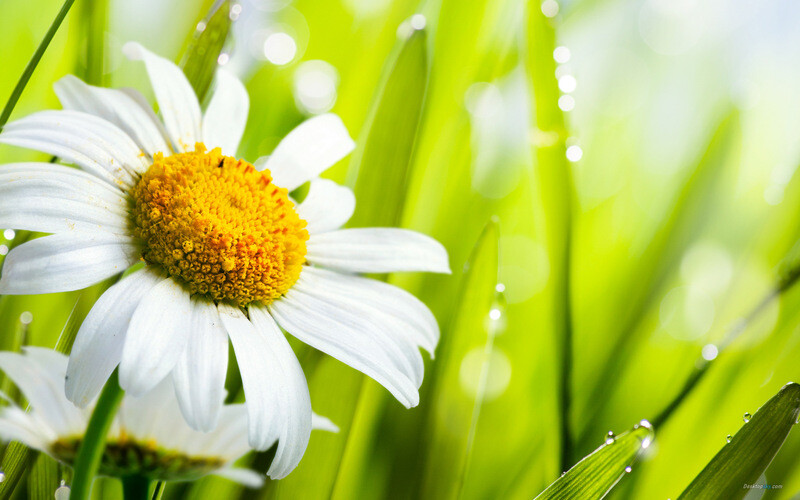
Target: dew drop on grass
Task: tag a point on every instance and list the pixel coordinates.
(628, 469)
(747, 417)
(62, 492)
(729, 438)
(610, 438)
(2, 476)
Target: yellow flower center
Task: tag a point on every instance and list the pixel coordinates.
(219, 225)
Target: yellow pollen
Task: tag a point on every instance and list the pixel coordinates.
(220, 226)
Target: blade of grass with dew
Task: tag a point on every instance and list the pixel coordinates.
(555, 189)
(451, 415)
(331, 464)
(646, 279)
(750, 451)
(200, 60)
(595, 475)
(17, 459)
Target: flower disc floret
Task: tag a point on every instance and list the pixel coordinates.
(220, 226)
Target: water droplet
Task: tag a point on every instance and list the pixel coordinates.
(610, 438)
(729, 438)
(574, 153)
(418, 21)
(746, 417)
(2, 476)
(550, 8)
(628, 469)
(9, 234)
(26, 317)
(500, 288)
(62, 493)
(561, 54)
(710, 352)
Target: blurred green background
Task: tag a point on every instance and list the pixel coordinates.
(634, 161)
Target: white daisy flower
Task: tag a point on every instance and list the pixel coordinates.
(227, 253)
(148, 437)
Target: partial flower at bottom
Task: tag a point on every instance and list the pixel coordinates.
(228, 253)
(148, 437)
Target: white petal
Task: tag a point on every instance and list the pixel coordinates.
(310, 149)
(176, 99)
(94, 144)
(229, 440)
(158, 333)
(386, 332)
(391, 300)
(199, 375)
(247, 477)
(53, 198)
(66, 261)
(320, 423)
(226, 116)
(294, 403)
(155, 416)
(377, 250)
(119, 108)
(19, 425)
(327, 206)
(275, 388)
(98, 345)
(41, 387)
(347, 337)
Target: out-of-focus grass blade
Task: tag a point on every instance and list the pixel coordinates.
(750, 451)
(449, 422)
(555, 186)
(382, 166)
(595, 475)
(44, 478)
(662, 255)
(383, 159)
(200, 60)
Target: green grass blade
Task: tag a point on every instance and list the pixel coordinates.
(200, 60)
(452, 414)
(44, 478)
(595, 475)
(16, 460)
(555, 186)
(750, 451)
(37, 56)
(383, 159)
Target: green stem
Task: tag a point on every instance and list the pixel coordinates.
(37, 56)
(135, 487)
(158, 491)
(91, 449)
